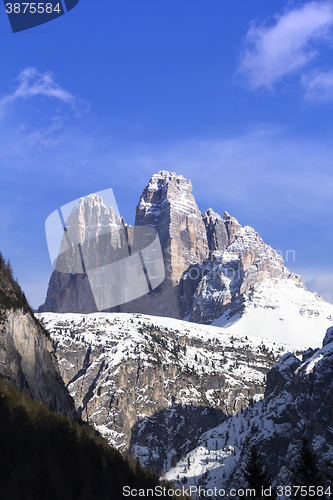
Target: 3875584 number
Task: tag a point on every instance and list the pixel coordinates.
(303, 491)
(32, 8)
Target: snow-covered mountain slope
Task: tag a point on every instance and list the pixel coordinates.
(298, 403)
(155, 384)
(281, 310)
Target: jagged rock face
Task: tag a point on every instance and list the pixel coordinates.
(329, 336)
(298, 403)
(69, 293)
(220, 232)
(281, 373)
(187, 240)
(214, 268)
(137, 377)
(167, 205)
(246, 261)
(159, 440)
(27, 360)
(87, 223)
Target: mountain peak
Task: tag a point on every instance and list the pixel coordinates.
(216, 270)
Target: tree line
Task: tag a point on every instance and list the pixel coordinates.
(45, 455)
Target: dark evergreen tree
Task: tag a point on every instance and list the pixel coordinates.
(306, 471)
(256, 476)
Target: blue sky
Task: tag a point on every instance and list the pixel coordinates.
(236, 96)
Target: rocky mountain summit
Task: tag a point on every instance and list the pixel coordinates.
(297, 404)
(154, 384)
(216, 271)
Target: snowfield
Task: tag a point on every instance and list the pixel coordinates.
(282, 311)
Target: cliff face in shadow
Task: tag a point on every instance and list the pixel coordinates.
(27, 357)
(168, 435)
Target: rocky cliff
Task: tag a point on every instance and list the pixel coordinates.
(155, 384)
(167, 205)
(298, 403)
(27, 357)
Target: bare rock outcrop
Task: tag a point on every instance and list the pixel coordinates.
(220, 232)
(167, 204)
(27, 358)
(90, 223)
(246, 261)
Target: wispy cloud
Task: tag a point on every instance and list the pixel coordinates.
(287, 46)
(45, 137)
(32, 83)
(40, 130)
(319, 87)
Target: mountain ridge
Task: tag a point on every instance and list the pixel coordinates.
(214, 268)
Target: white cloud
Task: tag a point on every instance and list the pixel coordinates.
(44, 137)
(274, 51)
(33, 83)
(319, 87)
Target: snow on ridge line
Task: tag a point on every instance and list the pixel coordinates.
(178, 326)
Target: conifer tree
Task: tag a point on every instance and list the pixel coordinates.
(305, 469)
(256, 476)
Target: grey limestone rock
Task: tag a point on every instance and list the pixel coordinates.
(167, 204)
(298, 403)
(137, 376)
(27, 360)
(329, 336)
